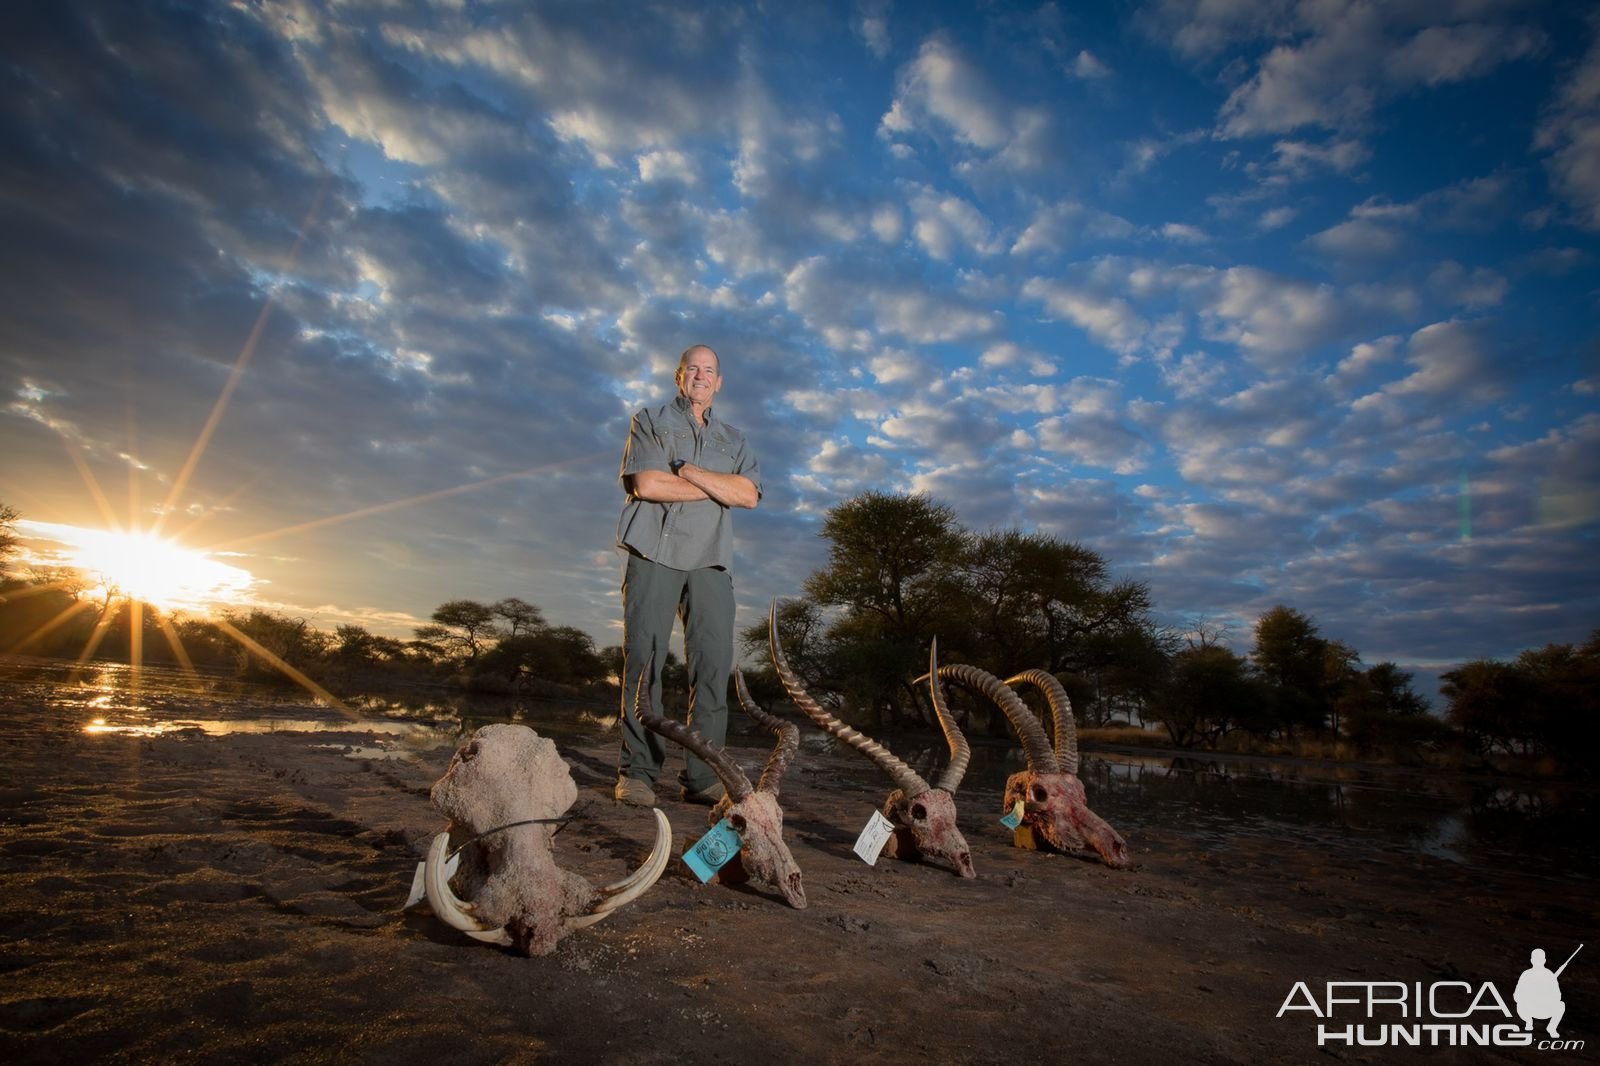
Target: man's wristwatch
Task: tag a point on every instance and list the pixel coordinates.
(675, 466)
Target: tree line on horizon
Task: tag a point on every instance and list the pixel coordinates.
(901, 571)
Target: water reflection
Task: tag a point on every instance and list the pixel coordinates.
(1360, 813)
(111, 698)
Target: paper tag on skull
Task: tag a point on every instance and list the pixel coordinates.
(873, 837)
(1013, 818)
(418, 891)
(713, 851)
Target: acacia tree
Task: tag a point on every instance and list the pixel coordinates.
(354, 645)
(562, 655)
(1208, 691)
(891, 573)
(1037, 597)
(891, 558)
(520, 616)
(8, 534)
(1567, 681)
(1545, 701)
(292, 641)
(1290, 657)
(460, 627)
(805, 646)
(1036, 601)
(1380, 708)
(1491, 703)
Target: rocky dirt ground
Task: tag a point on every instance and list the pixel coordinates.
(239, 898)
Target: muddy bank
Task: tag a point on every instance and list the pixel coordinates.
(190, 897)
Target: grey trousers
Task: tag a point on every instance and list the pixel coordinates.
(652, 596)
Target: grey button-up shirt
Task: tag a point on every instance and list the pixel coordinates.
(684, 536)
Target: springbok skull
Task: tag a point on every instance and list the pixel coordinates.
(503, 792)
(752, 811)
(1066, 728)
(1055, 808)
(923, 815)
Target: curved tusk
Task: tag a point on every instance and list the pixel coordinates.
(446, 907)
(633, 886)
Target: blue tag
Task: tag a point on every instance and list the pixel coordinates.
(713, 851)
(1012, 818)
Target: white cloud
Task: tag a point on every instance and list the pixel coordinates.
(892, 368)
(1276, 218)
(667, 165)
(1009, 354)
(1437, 55)
(941, 84)
(1183, 233)
(1202, 28)
(887, 223)
(872, 26)
(1473, 289)
(1451, 359)
(1088, 66)
(1297, 160)
(1057, 227)
(959, 431)
(1095, 441)
(848, 310)
(1357, 238)
(1193, 374)
(1109, 320)
(1570, 133)
(943, 90)
(945, 225)
(1364, 359)
(1269, 316)
(1346, 58)
(1093, 431)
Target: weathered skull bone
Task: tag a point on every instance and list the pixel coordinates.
(753, 812)
(924, 816)
(1055, 808)
(502, 791)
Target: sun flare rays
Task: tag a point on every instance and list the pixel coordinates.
(144, 573)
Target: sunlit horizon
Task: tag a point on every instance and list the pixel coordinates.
(141, 566)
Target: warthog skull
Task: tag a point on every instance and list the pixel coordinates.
(1055, 808)
(923, 816)
(753, 811)
(503, 793)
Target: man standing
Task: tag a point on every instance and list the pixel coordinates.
(684, 470)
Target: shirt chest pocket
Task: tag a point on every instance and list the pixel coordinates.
(680, 445)
(715, 454)
(719, 456)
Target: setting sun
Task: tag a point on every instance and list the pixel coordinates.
(148, 568)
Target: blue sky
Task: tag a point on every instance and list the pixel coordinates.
(1275, 302)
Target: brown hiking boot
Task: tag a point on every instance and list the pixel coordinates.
(708, 795)
(635, 792)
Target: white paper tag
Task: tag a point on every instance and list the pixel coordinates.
(418, 890)
(873, 837)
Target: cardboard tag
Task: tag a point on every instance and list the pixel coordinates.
(418, 891)
(1013, 818)
(713, 851)
(874, 835)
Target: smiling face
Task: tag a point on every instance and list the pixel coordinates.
(699, 377)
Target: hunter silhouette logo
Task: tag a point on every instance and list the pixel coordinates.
(1538, 992)
(1440, 1014)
